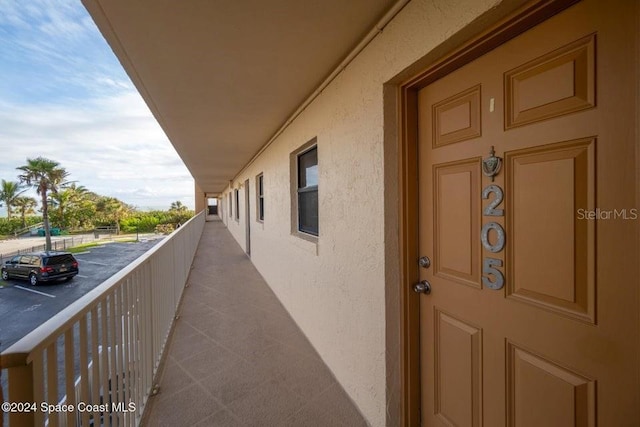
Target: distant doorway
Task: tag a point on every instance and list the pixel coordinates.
(212, 206)
(247, 216)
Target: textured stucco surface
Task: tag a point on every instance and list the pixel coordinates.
(201, 202)
(335, 289)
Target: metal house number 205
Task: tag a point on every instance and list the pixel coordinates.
(489, 264)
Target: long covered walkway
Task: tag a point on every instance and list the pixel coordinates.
(236, 358)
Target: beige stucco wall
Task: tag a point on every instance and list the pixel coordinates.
(200, 199)
(335, 290)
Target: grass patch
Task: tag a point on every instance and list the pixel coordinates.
(116, 240)
(124, 238)
(85, 246)
(82, 248)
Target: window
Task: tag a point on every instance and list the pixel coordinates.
(58, 259)
(28, 260)
(308, 191)
(260, 197)
(237, 194)
(230, 205)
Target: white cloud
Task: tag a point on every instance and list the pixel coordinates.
(113, 146)
(64, 96)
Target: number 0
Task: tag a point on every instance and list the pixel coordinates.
(484, 237)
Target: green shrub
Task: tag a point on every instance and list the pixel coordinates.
(147, 222)
(10, 226)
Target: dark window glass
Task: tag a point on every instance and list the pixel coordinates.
(237, 204)
(308, 212)
(230, 204)
(59, 259)
(260, 198)
(308, 191)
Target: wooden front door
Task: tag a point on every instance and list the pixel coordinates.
(532, 319)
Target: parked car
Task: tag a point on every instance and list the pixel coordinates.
(41, 267)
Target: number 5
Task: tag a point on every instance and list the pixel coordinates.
(487, 269)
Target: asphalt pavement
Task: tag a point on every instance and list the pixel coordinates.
(24, 307)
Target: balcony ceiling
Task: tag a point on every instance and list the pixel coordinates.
(222, 77)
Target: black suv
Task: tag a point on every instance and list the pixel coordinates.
(41, 267)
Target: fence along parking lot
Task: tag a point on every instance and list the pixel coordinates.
(134, 310)
(12, 247)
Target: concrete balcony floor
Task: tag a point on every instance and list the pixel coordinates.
(236, 358)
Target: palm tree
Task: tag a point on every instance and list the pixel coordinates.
(45, 176)
(112, 210)
(177, 206)
(26, 207)
(58, 204)
(9, 191)
(64, 201)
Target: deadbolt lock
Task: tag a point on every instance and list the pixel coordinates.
(424, 262)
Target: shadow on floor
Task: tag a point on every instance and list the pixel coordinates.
(236, 358)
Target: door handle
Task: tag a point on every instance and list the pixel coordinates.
(424, 262)
(422, 287)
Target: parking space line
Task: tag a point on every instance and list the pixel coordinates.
(94, 262)
(81, 276)
(34, 291)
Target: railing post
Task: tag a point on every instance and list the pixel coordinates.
(21, 390)
(162, 275)
(151, 328)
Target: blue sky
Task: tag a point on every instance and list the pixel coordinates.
(64, 96)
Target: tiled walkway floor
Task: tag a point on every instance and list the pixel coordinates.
(236, 358)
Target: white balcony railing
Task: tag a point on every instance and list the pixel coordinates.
(94, 362)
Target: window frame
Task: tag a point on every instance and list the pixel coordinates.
(260, 197)
(296, 191)
(236, 193)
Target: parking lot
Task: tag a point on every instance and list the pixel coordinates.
(24, 307)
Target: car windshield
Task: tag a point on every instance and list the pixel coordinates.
(59, 259)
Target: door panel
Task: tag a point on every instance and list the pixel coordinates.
(458, 363)
(532, 316)
(457, 118)
(457, 216)
(541, 393)
(559, 182)
(24, 266)
(555, 84)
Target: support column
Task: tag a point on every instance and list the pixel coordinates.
(201, 201)
(21, 390)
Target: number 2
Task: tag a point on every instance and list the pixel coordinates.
(491, 209)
